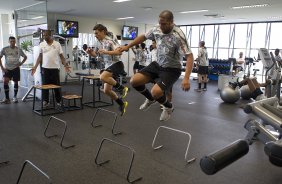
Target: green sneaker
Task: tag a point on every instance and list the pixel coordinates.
(123, 92)
(122, 108)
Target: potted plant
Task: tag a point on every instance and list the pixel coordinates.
(26, 45)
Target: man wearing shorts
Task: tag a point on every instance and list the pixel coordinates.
(171, 46)
(11, 70)
(203, 67)
(113, 65)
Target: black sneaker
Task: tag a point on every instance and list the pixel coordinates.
(122, 108)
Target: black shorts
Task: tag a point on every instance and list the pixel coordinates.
(14, 74)
(240, 68)
(164, 77)
(141, 67)
(136, 65)
(116, 69)
(203, 70)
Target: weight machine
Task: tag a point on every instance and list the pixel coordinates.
(269, 114)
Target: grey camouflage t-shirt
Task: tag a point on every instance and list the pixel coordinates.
(171, 47)
(12, 56)
(109, 43)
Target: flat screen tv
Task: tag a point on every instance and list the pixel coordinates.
(129, 32)
(68, 29)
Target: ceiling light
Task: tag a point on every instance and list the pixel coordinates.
(275, 17)
(120, 1)
(194, 11)
(250, 6)
(147, 8)
(123, 18)
(39, 17)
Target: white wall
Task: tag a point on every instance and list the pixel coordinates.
(86, 25)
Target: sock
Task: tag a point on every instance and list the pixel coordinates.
(144, 91)
(118, 86)
(119, 101)
(6, 89)
(16, 86)
(164, 101)
(205, 85)
(199, 87)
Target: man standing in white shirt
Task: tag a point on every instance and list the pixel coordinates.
(239, 65)
(50, 54)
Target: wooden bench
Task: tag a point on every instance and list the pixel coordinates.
(68, 106)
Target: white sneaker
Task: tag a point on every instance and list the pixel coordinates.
(45, 104)
(166, 114)
(15, 100)
(145, 106)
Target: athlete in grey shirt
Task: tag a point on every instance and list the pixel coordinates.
(171, 46)
(11, 70)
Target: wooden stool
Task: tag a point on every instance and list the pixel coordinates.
(94, 102)
(70, 107)
(51, 109)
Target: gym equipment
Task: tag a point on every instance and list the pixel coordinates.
(107, 161)
(65, 129)
(36, 168)
(270, 114)
(114, 122)
(74, 105)
(230, 95)
(245, 92)
(94, 102)
(188, 161)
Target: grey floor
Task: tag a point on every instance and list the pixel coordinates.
(211, 123)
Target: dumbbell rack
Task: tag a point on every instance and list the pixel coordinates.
(218, 66)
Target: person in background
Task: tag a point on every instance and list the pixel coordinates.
(277, 56)
(203, 66)
(11, 70)
(113, 65)
(49, 57)
(137, 52)
(143, 53)
(171, 46)
(239, 64)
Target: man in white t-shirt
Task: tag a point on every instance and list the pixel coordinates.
(50, 55)
(239, 65)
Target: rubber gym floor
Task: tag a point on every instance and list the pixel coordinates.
(211, 123)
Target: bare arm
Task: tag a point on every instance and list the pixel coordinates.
(114, 52)
(24, 59)
(38, 61)
(188, 70)
(91, 52)
(137, 40)
(63, 60)
(1, 65)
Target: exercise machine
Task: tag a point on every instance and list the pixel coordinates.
(269, 112)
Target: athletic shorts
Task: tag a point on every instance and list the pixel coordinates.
(116, 69)
(141, 67)
(14, 74)
(203, 70)
(164, 77)
(136, 65)
(240, 68)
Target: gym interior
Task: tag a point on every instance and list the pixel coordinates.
(230, 133)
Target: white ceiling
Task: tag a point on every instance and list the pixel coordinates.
(106, 9)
